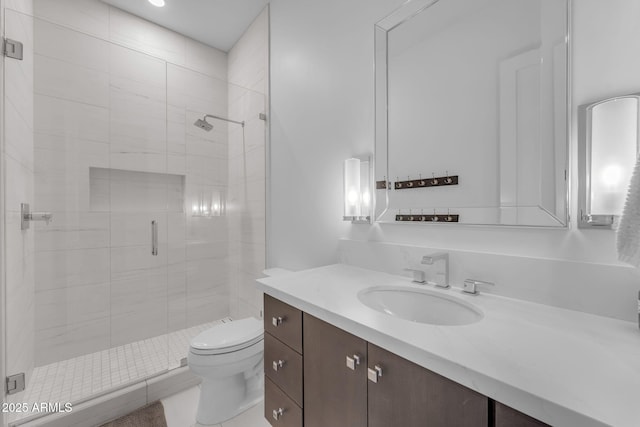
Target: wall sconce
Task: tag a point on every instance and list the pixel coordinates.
(608, 147)
(358, 197)
(209, 204)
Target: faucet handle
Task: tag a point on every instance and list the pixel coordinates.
(418, 275)
(471, 286)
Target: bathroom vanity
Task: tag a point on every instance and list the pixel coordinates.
(332, 361)
(350, 382)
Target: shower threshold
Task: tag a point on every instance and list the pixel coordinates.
(83, 378)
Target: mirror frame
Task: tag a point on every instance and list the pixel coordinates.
(381, 91)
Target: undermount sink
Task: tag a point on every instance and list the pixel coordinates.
(418, 305)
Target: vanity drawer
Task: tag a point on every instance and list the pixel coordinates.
(284, 367)
(274, 402)
(283, 322)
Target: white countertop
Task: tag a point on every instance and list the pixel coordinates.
(563, 367)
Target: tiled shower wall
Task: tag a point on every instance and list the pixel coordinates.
(248, 67)
(115, 148)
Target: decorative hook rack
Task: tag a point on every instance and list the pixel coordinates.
(448, 217)
(434, 181)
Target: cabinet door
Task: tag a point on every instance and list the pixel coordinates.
(334, 394)
(509, 417)
(409, 395)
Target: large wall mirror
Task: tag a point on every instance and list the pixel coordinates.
(472, 112)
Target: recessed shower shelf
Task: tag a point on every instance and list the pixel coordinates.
(119, 190)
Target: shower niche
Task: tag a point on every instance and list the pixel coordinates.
(120, 190)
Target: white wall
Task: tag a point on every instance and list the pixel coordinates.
(322, 113)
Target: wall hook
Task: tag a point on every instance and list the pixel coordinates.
(447, 179)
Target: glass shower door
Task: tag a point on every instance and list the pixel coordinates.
(86, 140)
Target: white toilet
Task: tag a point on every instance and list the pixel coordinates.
(228, 357)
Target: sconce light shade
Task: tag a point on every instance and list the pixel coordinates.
(365, 188)
(608, 155)
(352, 201)
(358, 200)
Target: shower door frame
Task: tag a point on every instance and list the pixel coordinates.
(3, 346)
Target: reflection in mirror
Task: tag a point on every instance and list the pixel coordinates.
(608, 141)
(475, 89)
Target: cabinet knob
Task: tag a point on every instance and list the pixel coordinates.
(277, 413)
(278, 365)
(374, 374)
(277, 321)
(353, 362)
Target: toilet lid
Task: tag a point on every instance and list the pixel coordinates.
(230, 336)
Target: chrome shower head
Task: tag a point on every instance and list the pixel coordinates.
(203, 124)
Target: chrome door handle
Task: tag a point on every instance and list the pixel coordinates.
(154, 238)
(26, 216)
(277, 321)
(278, 365)
(278, 413)
(374, 374)
(353, 362)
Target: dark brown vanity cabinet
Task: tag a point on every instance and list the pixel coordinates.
(349, 382)
(341, 380)
(282, 364)
(508, 417)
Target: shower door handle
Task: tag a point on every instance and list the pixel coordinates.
(154, 238)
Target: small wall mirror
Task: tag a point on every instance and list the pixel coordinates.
(608, 147)
(471, 112)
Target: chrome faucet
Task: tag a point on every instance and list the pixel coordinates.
(431, 260)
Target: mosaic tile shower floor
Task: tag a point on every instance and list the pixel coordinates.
(74, 380)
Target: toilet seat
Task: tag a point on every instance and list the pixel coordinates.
(228, 337)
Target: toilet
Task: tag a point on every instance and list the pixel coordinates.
(228, 358)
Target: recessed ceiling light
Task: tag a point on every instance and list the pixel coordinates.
(157, 3)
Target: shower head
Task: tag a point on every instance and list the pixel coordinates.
(203, 124)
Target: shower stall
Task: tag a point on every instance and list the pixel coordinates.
(133, 241)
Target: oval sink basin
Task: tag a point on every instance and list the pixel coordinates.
(418, 305)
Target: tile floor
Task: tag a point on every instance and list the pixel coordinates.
(74, 380)
(180, 411)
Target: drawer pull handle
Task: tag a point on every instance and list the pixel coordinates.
(277, 413)
(374, 374)
(353, 362)
(278, 365)
(277, 321)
